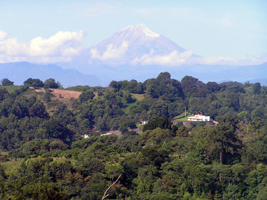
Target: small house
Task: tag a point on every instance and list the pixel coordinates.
(144, 122)
(86, 136)
(199, 118)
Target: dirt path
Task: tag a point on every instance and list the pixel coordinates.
(64, 93)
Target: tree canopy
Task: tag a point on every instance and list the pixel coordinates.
(7, 82)
(44, 154)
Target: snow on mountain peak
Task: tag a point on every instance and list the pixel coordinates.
(134, 44)
(142, 28)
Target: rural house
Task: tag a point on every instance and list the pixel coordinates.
(199, 117)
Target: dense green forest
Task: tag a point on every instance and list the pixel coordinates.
(43, 154)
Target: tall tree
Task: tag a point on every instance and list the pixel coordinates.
(6, 82)
(256, 88)
(51, 83)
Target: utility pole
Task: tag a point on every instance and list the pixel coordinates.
(185, 111)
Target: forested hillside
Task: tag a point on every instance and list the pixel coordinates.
(44, 155)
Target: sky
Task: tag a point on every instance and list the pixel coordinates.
(56, 30)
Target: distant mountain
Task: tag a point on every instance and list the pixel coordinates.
(124, 55)
(21, 71)
(136, 52)
(131, 43)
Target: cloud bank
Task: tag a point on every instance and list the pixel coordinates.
(172, 59)
(187, 58)
(65, 45)
(112, 52)
(122, 54)
(60, 47)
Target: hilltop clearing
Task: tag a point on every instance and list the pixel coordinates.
(62, 93)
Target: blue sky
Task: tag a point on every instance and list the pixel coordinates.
(233, 29)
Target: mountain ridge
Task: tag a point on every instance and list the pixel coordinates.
(21, 71)
(135, 52)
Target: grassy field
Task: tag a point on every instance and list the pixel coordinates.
(10, 88)
(139, 97)
(13, 88)
(29, 92)
(183, 119)
(140, 126)
(179, 116)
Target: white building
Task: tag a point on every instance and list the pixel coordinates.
(199, 118)
(106, 134)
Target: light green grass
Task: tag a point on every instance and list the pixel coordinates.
(183, 119)
(140, 126)
(10, 88)
(138, 97)
(13, 88)
(29, 92)
(180, 116)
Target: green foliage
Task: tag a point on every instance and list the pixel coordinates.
(132, 86)
(155, 136)
(33, 83)
(256, 88)
(3, 175)
(43, 156)
(51, 83)
(164, 87)
(79, 88)
(47, 96)
(182, 132)
(127, 124)
(6, 82)
(161, 122)
(87, 95)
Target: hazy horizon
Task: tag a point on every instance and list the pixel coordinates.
(58, 31)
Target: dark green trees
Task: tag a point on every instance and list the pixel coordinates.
(87, 95)
(33, 83)
(161, 122)
(164, 87)
(127, 124)
(51, 83)
(6, 82)
(219, 141)
(195, 88)
(132, 86)
(256, 88)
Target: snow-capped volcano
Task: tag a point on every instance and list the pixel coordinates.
(135, 44)
(136, 52)
(139, 30)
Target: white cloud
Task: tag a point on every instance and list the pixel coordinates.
(2, 35)
(175, 59)
(249, 60)
(112, 52)
(59, 47)
(172, 59)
